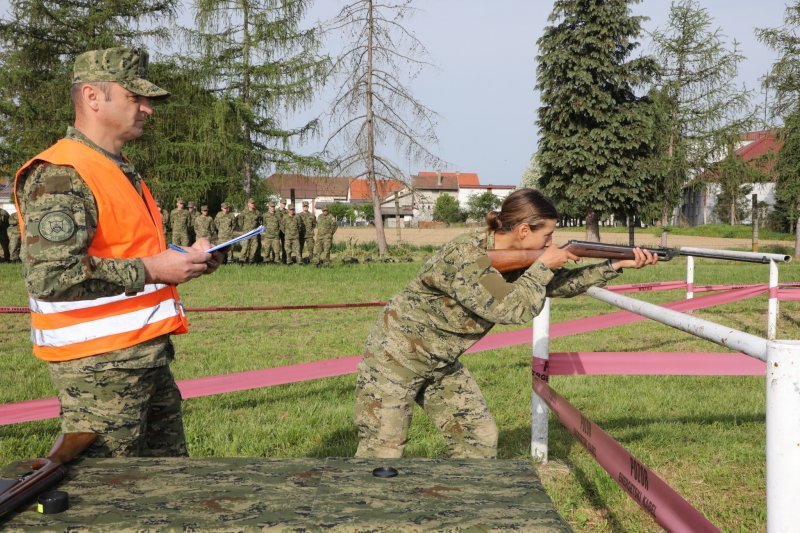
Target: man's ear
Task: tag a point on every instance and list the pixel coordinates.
(90, 96)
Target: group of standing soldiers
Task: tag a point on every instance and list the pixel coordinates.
(9, 237)
(288, 238)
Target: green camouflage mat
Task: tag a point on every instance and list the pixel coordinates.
(340, 494)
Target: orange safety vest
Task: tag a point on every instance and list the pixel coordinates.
(127, 227)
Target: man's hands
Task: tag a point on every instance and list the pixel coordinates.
(173, 267)
(643, 257)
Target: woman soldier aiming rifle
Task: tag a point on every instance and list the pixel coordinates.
(413, 349)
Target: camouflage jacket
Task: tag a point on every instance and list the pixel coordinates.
(272, 225)
(326, 226)
(290, 226)
(458, 297)
(249, 219)
(179, 220)
(203, 227)
(225, 224)
(4, 218)
(309, 223)
(61, 269)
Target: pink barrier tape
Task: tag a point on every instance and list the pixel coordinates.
(787, 295)
(13, 413)
(34, 410)
(649, 364)
(667, 507)
(11, 310)
(773, 292)
(647, 287)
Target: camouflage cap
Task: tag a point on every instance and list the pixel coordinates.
(192, 204)
(305, 204)
(179, 201)
(203, 208)
(283, 201)
(272, 204)
(225, 205)
(324, 207)
(126, 66)
(251, 200)
(291, 207)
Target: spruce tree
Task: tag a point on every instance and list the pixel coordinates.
(593, 127)
(254, 56)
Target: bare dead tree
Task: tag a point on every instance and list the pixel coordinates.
(373, 109)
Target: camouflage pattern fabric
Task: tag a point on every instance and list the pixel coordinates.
(339, 494)
(4, 223)
(290, 226)
(179, 220)
(225, 223)
(249, 220)
(271, 242)
(412, 349)
(14, 240)
(136, 412)
(309, 225)
(193, 214)
(126, 66)
(282, 212)
(326, 227)
(203, 227)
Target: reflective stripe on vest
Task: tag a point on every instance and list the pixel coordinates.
(128, 226)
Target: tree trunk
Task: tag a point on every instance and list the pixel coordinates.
(592, 225)
(664, 222)
(631, 231)
(373, 186)
(247, 170)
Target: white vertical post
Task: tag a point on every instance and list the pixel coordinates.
(539, 409)
(689, 277)
(772, 309)
(783, 436)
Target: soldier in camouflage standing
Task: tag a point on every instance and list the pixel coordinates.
(326, 227)
(179, 222)
(192, 208)
(225, 223)
(14, 240)
(4, 218)
(282, 212)
(271, 244)
(290, 225)
(101, 283)
(249, 220)
(203, 225)
(413, 349)
(309, 224)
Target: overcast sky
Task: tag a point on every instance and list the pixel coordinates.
(485, 57)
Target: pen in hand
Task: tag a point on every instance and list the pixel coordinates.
(176, 248)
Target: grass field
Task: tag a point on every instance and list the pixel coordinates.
(703, 435)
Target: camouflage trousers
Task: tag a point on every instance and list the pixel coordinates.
(322, 251)
(307, 247)
(385, 395)
(14, 243)
(271, 250)
(291, 247)
(181, 238)
(135, 412)
(5, 254)
(249, 250)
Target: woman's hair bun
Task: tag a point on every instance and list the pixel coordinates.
(493, 220)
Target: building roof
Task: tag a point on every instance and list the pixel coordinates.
(359, 188)
(461, 179)
(758, 148)
(489, 187)
(308, 186)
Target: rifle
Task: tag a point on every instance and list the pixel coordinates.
(45, 472)
(510, 260)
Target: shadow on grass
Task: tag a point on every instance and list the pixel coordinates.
(338, 443)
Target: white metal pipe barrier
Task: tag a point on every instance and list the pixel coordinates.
(541, 351)
(783, 397)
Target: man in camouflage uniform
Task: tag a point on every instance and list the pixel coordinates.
(179, 222)
(271, 244)
(192, 208)
(4, 218)
(203, 224)
(249, 220)
(326, 227)
(14, 240)
(127, 396)
(225, 223)
(309, 224)
(282, 212)
(290, 224)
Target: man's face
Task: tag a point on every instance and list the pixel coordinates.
(181, 205)
(272, 209)
(251, 206)
(305, 209)
(204, 212)
(226, 209)
(125, 113)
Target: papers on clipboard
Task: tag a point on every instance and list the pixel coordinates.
(251, 233)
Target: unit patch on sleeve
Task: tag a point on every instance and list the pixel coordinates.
(57, 226)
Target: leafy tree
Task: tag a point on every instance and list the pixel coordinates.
(480, 204)
(787, 189)
(733, 177)
(446, 210)
(593, 127)
(697, 88)
(372, 106)
(258, 60)
(784, 75)
(339, 210)
(38, 44)
(367, 211)
(531, 176)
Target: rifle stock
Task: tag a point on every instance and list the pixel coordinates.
(510, 260)
(45, 472)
